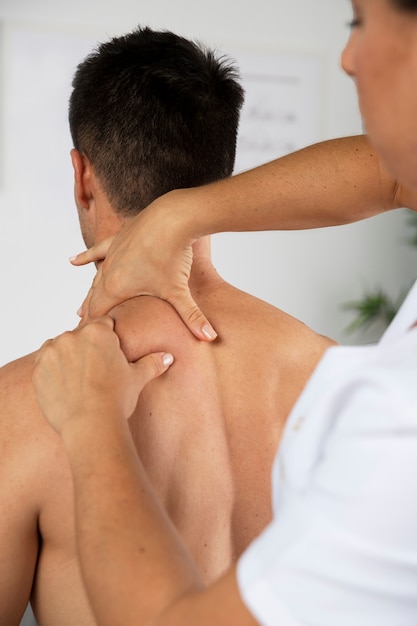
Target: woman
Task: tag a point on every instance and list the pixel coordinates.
(342, 548)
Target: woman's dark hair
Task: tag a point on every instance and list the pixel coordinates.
(405, 5)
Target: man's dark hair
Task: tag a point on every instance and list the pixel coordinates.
(153, 112)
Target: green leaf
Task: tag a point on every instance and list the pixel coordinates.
(374, 306)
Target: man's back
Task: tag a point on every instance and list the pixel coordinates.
(206, 432)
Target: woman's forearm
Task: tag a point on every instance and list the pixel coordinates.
(131, 558)
(326, 184)
(333, 182)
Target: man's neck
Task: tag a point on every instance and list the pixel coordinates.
(203, 274)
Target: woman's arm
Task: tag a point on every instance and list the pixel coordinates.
(329, 183)
(136, 568)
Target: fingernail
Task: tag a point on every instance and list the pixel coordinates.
(208, 331)
(167, 359)
(72, 258)
(80, 311)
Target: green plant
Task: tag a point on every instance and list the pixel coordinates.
(376, 305)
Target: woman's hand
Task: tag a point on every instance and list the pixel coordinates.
(149, 256)
(82, 377)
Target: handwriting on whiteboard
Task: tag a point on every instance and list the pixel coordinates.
(282, 105)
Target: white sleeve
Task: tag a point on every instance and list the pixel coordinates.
(342, 549)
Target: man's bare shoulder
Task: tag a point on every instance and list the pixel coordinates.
(27, 442)
(238, 313)
(148, 324)
(19, 410)
(18, 369)
(263, 343)
(18, 405)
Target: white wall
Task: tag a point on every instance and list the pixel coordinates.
(309, 273)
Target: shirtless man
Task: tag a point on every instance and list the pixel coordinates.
(151, 112)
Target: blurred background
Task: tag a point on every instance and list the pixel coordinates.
(297, 94)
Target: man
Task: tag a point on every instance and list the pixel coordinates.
(151, 112)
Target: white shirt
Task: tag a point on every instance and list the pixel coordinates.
(342, 549)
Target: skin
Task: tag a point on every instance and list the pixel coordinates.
(222, 436)
(156, 553)
(381, 70)
(345, 181)
(36, 528)
(209, 463)
(351, 179)
(175, 591)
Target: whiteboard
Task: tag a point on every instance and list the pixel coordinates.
(282, 106)
(38, 216)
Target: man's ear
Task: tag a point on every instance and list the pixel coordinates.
(82, 179)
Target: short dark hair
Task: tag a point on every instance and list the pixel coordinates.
(405, 5)
(153, 112)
